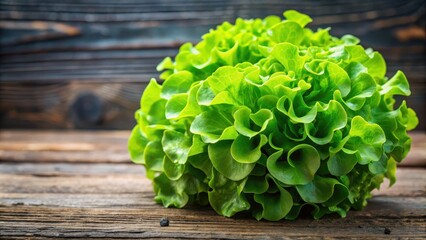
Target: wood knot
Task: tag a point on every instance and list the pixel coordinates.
(87, 110)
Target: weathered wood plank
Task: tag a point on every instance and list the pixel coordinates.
(113, 68)
(104, 179)
(129, 6)
(106, 184)
(98, 105)
(79, 212)
(108, 147)
(53, 169)
(198, 9)
(62, 146)
(61, 136)
(143, 22)
(70, 105)
(144, 223)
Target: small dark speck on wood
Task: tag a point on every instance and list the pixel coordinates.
(164, 222)
(387, 231)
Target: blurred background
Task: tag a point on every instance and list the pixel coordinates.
(83, 64)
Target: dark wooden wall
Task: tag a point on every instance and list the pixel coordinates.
(84, 64)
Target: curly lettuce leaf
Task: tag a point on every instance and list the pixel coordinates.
(269, 117)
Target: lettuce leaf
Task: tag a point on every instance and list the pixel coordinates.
(269, 117)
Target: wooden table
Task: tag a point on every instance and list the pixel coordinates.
(82, 184)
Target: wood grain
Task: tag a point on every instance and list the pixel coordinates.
(122, 206)
(108, 147)
(64, 146)
(69, 105)
(202, 224)
(54, 54)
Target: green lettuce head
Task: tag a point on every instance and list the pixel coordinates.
(270, 117)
